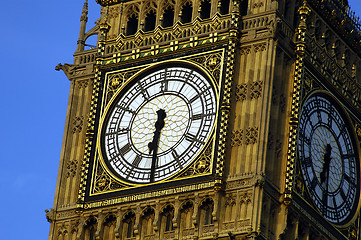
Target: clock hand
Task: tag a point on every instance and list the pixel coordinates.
(153, 145)
(326, 165)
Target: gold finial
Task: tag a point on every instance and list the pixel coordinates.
(304, 10)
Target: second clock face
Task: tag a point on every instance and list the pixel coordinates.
(329, 160)
(158, 124)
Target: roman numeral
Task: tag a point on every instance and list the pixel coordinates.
(199, 94)
(137, 160)
(143, 91)
(314, 183)
(192, 138)
(120, 131)
(125, 149)
(350, 180)
(307, 162)
(164, 84)
(176, 157)
(127, 109)
(201, 115)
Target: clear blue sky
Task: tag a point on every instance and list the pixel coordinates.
(35, 37)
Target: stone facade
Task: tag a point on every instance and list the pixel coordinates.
(268, 55)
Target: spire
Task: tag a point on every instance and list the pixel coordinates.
(83, 21)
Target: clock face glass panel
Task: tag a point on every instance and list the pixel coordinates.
(329, 161)
(158, 124)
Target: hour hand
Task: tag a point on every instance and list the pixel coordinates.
(151, 146)
(326, 164)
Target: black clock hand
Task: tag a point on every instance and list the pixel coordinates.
(326, 165)
(153, 145)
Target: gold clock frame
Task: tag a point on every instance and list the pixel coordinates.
(103, 182)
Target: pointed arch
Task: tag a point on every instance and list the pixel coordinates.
(149, 22)
(128, 225)
(168, 17)
(131, 19)
(186, 12)
(90, 228)
(206, 217)
(205, 9)
(147, 219)
(223, 6)
(109, 226)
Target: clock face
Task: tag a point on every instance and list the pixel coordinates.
(329, 160)
(158, 124)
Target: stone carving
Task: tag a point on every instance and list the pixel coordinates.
(236, 138)
(251, 135)
(71, 168)
(78, 124)
(241, 92)
(255, 89)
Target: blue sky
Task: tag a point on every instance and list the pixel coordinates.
(36, 36)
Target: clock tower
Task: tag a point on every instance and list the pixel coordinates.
(213, 119)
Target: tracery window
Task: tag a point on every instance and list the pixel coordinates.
(186, 13)
(186, 215)
(224, 6)
(109, 226)
(167, 217)
(205, 9)
(168, 17)
(132, 24)
(206, 212)
(150, 19)
(89, 229)
(147, 223)
(128, 226)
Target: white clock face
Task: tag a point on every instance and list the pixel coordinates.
(329, 160)
(158, 124)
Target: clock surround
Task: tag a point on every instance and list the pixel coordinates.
(190, 101)
(329, 158)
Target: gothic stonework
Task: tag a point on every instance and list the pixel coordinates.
(263, 60)
(78, 124)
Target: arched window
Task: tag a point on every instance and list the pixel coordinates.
(147, 223)
(90, 229)
(149, 24)
(205, 9)
(128, 226)
(109, 226)
(132, 24)
(186, 215)
(167, 217)
(186, 13)
(224, 6)
(168, 17)
(206, 212)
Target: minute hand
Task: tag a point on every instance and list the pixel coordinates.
(153, 145)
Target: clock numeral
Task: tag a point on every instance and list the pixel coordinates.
(341, 131)
(307, 162)
(350, 180)
(201, 115)
(347, 156)
(192, 138)
(199, 94)
(314, 183)
(164, 84)
(343, 195)
(136, 161)
(120, 131)
(144, 92)
(324, 198)
(176, 157)
(125, 149)
(127, 109)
